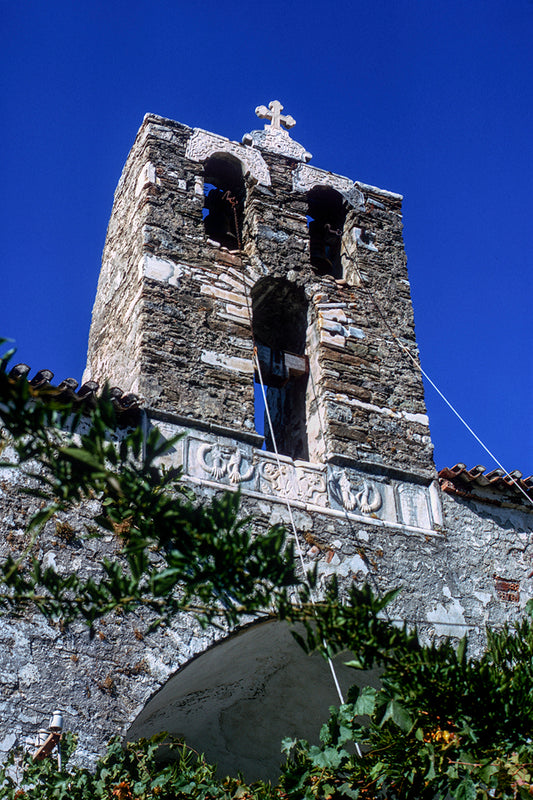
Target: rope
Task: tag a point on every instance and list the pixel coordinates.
(295, 535)
(349, 522)
(234, 202)
(406, 353)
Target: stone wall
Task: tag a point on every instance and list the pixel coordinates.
(448, 568)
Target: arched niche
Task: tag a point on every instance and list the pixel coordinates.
(237, 700)
(224, 195)
(279, 319)
(326, 215)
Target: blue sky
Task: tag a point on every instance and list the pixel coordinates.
(430, 99)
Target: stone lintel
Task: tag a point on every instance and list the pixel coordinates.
(203, 144)
(367, 187)
(423, 477)
(305, 178)
(254, 439)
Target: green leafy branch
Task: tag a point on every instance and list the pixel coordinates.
(174, 554)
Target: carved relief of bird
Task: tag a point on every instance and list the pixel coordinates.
(363, 498)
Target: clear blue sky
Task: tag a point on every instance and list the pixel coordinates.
(431, 99)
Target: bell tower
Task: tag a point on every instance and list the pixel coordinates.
(230, 264)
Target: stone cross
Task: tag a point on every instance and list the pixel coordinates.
(273, 113)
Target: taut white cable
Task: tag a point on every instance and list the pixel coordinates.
(294, 531)
(418, 366)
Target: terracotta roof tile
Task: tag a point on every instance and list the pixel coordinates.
(503, 486)
(126, 405)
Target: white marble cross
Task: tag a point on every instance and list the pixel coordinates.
(273, 113)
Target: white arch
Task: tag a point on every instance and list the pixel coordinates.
(305, 178)
(203, 144)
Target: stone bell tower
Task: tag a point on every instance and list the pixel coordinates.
(227, 263)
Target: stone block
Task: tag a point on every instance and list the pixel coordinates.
(225, 362)
(332, 340)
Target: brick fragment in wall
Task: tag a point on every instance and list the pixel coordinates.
(222, 294)
(236, 315)
(243, 365)
(332, 340)
(352, 391)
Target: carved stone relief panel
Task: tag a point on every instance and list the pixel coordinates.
(413, 506)
(202, 144)
(220, 461)
(278, 479)
(276, 140)
(312, 485)
(224, 461)
(354, 493)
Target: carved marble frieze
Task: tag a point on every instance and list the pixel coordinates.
(209, 459)
(413, 508)
(203, 144)
(297, 480)
(220, 462)
(275, 140)
(355, 494)
(305, 177)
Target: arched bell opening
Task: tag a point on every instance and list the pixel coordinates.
(326, 215)
(236, 701)
(224, 194)
(279, 314)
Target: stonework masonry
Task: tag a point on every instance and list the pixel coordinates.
(316, 285)
(172, 318)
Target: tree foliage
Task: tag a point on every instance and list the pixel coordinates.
(130, 772)
(207, 561)
(442, 724)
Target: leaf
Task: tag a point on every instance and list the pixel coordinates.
(346, 790)
(430, 774)
(301, 641)
(82, 455)
(465, 791)
(398, 715)
(287, 744)
(461, 650)
(329, 757)
(387, 598)
(355, 663)
(41, 517)
(486, 773)
(366, 701)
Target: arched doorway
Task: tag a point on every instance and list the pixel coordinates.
(237, 700)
